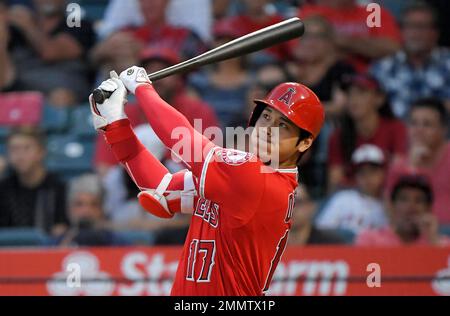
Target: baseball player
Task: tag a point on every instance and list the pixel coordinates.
(241, 216)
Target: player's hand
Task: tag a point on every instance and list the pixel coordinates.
(134, 77)
(113, 109)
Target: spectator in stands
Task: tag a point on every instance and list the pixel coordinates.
(421, 69)
(368, 120)
(41, 42)
(428, 154)
(255, 17)
(225, 85)
(221, 9)
(265, 79)
(85, 203)
(411, 220)
(317, 65)
(121, 14)
(172, 89)
(360, 207)
(6, 65)
(122, 48)
(31, 196)
(3, 167)
(303, 231)
(359, 42)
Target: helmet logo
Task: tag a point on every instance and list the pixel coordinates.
(287, 97)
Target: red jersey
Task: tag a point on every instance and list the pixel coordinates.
(239, 229)
(241, 216)
(180, 39)
(390, 136)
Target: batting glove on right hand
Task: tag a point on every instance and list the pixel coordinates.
(134, 77)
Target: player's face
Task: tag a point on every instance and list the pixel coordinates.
(274, 133)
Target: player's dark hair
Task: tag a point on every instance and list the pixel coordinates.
(303, 135)
(413, 182)
(32, 132)
(421, 6)
(432, 104)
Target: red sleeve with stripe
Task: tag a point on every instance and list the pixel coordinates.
(174, 129)
(145, 170)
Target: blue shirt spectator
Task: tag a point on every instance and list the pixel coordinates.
(421, 69)
(405, 83)
(229, 103)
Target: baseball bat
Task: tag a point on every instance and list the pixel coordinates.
(250, 43)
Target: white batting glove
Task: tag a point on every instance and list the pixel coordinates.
(113, 109)
(134, 77)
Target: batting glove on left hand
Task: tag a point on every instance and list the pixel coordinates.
(113, 109)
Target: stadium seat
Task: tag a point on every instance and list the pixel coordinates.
(4, 131)
(21, 108)
(81, 122)
(144, 238)
(69, 155)
(347, 235)
(445, 230)
(22, 237)
(55, 120)
(94, 9)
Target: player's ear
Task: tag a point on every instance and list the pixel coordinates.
(305, 144)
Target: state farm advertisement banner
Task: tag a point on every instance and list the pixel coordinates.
(302, 271)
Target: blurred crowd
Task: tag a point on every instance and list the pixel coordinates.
(379, 174)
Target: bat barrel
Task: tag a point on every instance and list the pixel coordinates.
(253, 42)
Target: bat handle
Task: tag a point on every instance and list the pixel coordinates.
(100, 96)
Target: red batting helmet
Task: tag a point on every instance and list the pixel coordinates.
(298, 103)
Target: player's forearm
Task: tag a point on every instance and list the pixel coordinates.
(164, 120)
(145, 170)
(162, 117)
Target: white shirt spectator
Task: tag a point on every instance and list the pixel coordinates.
(193, 14)
(352, 210)
(118, 15)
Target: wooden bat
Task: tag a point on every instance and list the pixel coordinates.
(250, 43)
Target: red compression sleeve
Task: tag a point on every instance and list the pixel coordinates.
(145, 170)
(163, 118)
